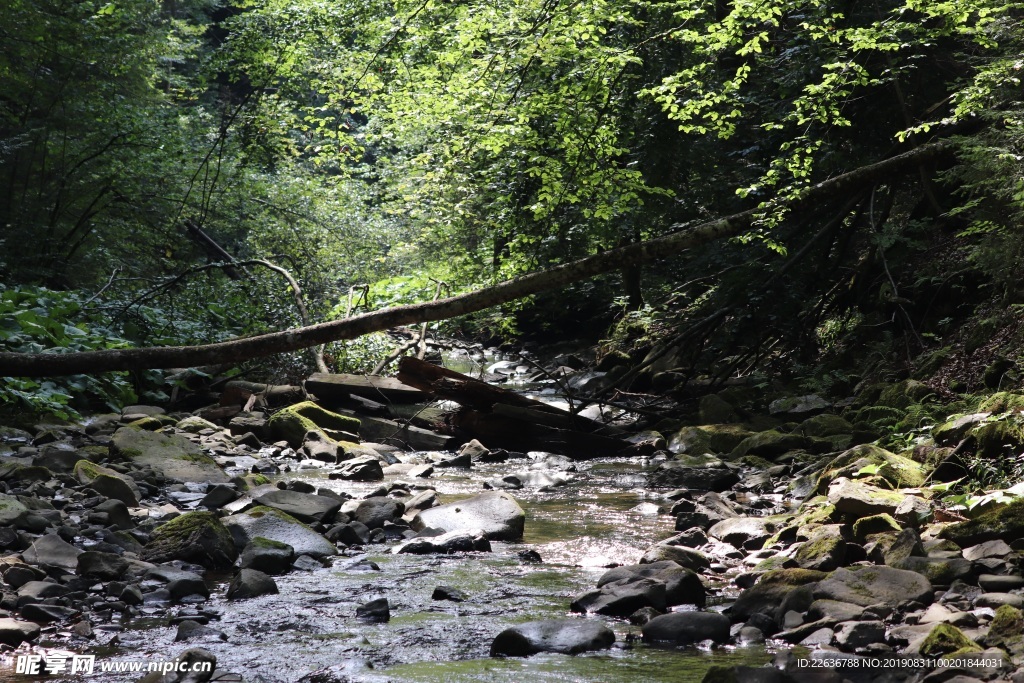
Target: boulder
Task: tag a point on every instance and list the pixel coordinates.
(709, 438)
(15, 514)
(53, 551)
(682, 586)
(684, 628)
(895, 470)
(770, 592)
(179, 582)
(251, 583)
(364, 468)
(678, 475)
(172, 456)
(102, 566)
(1007, 630)
(193, 630)
(304, 507)
(874, 585)
(14, 633)
(944, 639)
(713, 409)
(107, 482)
(622, 598)
(445, 544)
(197, 537)
(278, 526)
(1003, 522)
(861, 500)
(267, 556)
(823, 552)
(292, 423)
(826, 425)
(743, 532)
(373, 512)
(770, 444)
(495, 513)
(798, 406)
(688, 558)
(375, 611)
(565, 636)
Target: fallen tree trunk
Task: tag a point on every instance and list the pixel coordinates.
(237, 350)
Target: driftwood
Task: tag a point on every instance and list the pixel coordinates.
(501, 418)
(237, 350)
(393, 433)
(338, 387)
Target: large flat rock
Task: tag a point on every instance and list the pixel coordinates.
(495, 513)
(172, 455)
(866, 586)
(265, 522)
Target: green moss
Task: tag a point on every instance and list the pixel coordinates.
(187, 523)
(996, 439)
(875, 524)
(769, 444)
(897, 470)
(945, 639)
(261, 542)
(150, 424)
(1004, 521)
(292, 423)
(1002, 402)
(825, 425)
(86, 471)
(1007, 630)
(824, 552)
(791, 577)
(261, 510)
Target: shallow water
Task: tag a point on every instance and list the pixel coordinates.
(310, 625)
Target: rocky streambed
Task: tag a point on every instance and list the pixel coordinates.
(285, 550)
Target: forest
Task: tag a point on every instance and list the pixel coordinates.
(723, 299)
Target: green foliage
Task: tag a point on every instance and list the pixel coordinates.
(37, 320)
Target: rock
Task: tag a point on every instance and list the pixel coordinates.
(448, 593)
(875, 524)
(688, 558)
(193, 630)
(363, 468)
(197, 537)
(834, 611)
(861, 500)
(304, 507)
(874, 585)
(622, 598)
(1007, 630)
(944, 639)
(278, 526)
(102, 566)
(914, 511)
(193, 424)
(37, 591)
(714, 438)
(445, 544)
(854, 635)
(294, 422)
(376, 611)
(180, 583)
(116, 513)
(713, 409)
(951, 432)
(770, 592)
(14, 633)
(462, 461)
(318, 446)
(42, 613)
(251, 583)
(219, 495)
(194, 665)
(52, 551)
(172, 456)
(684, 628)
(997, 548)
(675, 475)
(565, 636)
(495, 513)
(353, 533)
(15, 514)
(996, 600)
(474, 449)
(798, 406)
(896, 470)
(743, 532)
(769, 444)
(375, 511)
(1000, 583)
(682, 586)
(823, 552)
(825, 425)
(267, 556)
(938, 570)
(1004, 522)
(59, 458)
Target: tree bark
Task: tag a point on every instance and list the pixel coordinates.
(237, 350)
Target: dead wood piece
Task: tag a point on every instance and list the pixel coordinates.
(332, 387)
(502, 431)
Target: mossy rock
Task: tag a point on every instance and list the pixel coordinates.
(171, 455)
(1007, 630)
(193, 424)
(824, 553)
(826, 425)
(107, 482)
(252, 481)
(875, 524)
(944, 639)
(711, 438)
(193, 537)
(1002, 402)
(292, 423)
(18, 474)
(713, 409)
(897, 470)
(998, 439)
(767, 594)
(1004, 522)
(904, 394)
(148, 423)
(769, 444)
